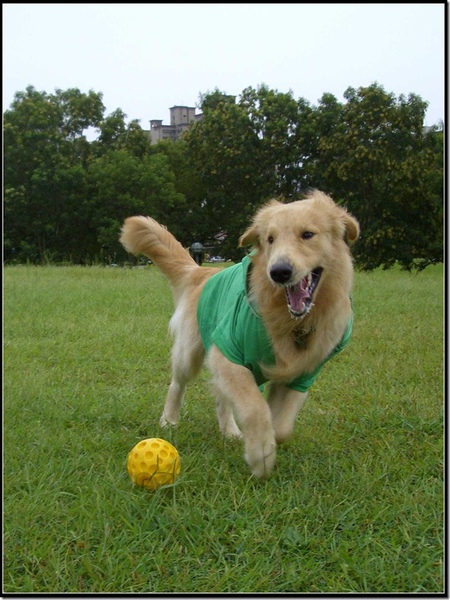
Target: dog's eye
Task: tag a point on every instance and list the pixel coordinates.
(270, 239)
(307, 235)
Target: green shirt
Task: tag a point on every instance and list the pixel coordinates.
(227, 319)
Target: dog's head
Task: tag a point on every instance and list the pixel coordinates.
(302, 242)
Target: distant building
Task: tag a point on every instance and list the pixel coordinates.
(181, 118)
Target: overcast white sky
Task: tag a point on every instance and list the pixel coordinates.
(145, 58)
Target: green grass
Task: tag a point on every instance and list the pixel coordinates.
(356, 501)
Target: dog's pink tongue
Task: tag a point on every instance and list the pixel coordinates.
(297, 294)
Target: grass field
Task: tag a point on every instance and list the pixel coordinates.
(356, 501)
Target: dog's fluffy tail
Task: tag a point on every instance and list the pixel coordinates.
(143, 235)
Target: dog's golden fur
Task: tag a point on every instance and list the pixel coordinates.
(300, 237)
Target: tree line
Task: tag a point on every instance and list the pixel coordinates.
(65, 197)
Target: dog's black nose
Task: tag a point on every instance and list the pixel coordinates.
(281, 272)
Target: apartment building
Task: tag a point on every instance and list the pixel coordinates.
(181, 118)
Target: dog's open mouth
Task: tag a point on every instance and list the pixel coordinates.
(300, 296)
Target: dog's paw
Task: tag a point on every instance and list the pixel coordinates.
(283, 432)
(165, 421)
(228, 427)
(261, 460)
(232, 432)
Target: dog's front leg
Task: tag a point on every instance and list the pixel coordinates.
(237, 385)
(285, 405)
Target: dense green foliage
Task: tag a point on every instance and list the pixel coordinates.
(65, 197)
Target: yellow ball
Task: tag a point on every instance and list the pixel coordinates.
(153, 462)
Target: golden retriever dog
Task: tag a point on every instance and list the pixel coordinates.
(276, 317)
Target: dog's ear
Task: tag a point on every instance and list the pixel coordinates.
(348, 226)
(351, 227)
(249, 237)
(260, 220)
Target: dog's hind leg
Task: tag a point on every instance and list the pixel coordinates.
(184, 368)
(187, 360)
(284, 405)
(225, 416)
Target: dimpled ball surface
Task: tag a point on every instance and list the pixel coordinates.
(153, 462)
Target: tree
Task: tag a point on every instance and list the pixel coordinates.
(122, 185)
(277, 119)
(433, 164)
(45, 150)
(372, 155)
(78, 111)
(246, 152)
(49, 210)
(187, 221)
(65, 197)
(224, 150)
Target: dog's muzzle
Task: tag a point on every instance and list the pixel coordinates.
(299, 295)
